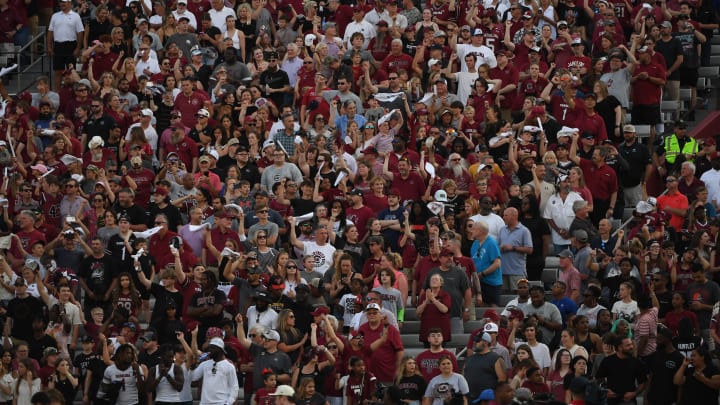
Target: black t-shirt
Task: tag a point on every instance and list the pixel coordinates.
(136, 214)
(162, 298)
(638, 157)
(82, 363)
(662, 367)
(98, 274)
(203, 300)
(623, 375)
(696, 392)
(150, 360)
(38, 346)
(302, 206)
(97, 366)
(99, 126)
(275, 80)
(412, 388)
(22, 311)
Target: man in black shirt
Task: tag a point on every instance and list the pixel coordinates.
(662, 367)
(97, 278)
(624, 374)
(20, 312)
(98, 123)
(125, 206)
(207, 306)
(276, 82)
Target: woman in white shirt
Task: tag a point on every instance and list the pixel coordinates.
(27, 384)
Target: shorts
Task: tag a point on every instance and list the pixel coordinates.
(490, 293)
(646, 114)
(63, 55)
(689, 76)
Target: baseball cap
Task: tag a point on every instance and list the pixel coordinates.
(320, 310)
(372, 306)
(283, 391)
(478, 31)
(216, 341)
(566, 254)
(491, 327)
(271, 335)
(629, 128)
(486, 395)
(666, 24)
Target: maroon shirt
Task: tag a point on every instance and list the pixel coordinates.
(189, 106)
(604, 179)
(644, 92)
(384, 361)
(508, 74)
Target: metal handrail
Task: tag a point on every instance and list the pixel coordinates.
(34, 58)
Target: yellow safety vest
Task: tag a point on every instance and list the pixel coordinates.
(672, 148)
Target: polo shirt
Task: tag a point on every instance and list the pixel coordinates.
(514, 262)
(676, 200)
(604, 180)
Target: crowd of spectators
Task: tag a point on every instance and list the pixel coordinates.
(289, 180)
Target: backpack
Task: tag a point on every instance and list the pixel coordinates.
(595, 393)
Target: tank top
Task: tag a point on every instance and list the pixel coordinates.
(165, 392)
(587, 344)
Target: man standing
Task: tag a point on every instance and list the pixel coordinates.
(358, 212)
(456, 284)
(485, 253)
(220, 383)
(429, 361)
(549, 319)
(647, 83)
(624, 374)
(280, 170)
(560, 214)
(276, 82)
(515, 244)
(662, 367)
(672, 51)
(485, 368)
(64, 40)
(604, 184)
(569, 275)
(207, 306)
(385, 343)
(20, 312)
(320, 249)
(702, 295)
(639, 159)
(674, 203)
(96, 277)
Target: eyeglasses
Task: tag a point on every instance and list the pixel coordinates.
(111, 170)
(144, 49)
(262, 237)
(393, 78)
(272, 60)
(307, 63)
(263, 211)
(291, 316)
(320, 160)
(251, 335)
(98, 200)
(96, 106)
(214, 368)
(670, 180)
(291, 267)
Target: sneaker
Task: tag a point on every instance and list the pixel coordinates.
(8, 69)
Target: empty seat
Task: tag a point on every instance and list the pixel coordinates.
(549, 276)
(643, 131)
(710, 72)
(552, 261)
(685, 94)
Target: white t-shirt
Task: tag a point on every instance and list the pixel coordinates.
(483, 53)
(267, 319)
(323, 255)
(626, 310)
(495, 223)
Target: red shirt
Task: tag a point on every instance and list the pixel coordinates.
(429, 363)
(159, 248)
(593, 124)
(578, 62)
(604, 180)
(644, 92)
(384, 361)
(678, 201)
(187, 151)
(198, 8)
(360, 217)
(144, 179)
(369, 267)
(103, 62)
(218, 240)
(393, 63)
(189, 106)
(412, 188)
(422, 269)
(375, 203)
(509, 74)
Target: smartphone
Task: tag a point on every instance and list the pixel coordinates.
(69, 219)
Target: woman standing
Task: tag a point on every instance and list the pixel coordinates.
(437, 391)
(7, 382)
(561, 368)
(610, 110)
(64, 381)
(27, 384)
(291, 340)
(411, 382)
(568, 342)
(433, 310)
(701, 382)
(579, 367)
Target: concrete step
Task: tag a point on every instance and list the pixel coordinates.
(413, 327)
